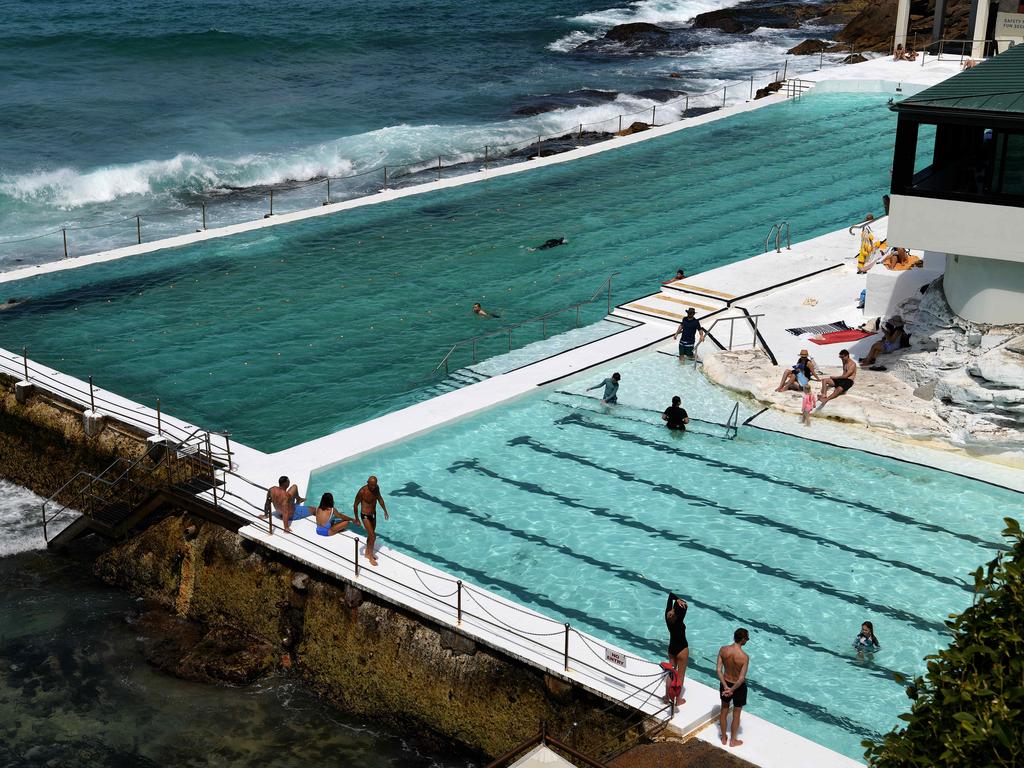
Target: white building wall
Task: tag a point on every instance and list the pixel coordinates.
(985, 290)
(950, 226)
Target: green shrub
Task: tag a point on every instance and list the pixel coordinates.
(968, 709)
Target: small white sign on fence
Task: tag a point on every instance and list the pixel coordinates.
(615, 657)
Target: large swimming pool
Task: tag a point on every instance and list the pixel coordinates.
(592, 514)
(292, 332)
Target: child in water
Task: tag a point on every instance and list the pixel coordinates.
(866, 642)
(807, 405)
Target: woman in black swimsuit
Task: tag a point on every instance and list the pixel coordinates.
(678, 648)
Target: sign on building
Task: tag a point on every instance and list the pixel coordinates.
(1009, 28)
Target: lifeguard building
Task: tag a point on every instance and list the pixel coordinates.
(958, 185)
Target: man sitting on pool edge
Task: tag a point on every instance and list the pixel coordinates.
(840, 384)
(286, 503)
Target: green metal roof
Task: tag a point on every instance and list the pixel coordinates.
(993, 86)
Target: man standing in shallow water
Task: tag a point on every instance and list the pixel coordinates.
(731, 666)
(365, 506)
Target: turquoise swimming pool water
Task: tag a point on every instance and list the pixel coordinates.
(292, 332)
(591, 514)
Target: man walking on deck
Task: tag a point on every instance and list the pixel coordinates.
(284, 500)
(365, 509)
(687, 332)
(731, 666)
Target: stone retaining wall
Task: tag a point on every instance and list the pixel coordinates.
(365, 656)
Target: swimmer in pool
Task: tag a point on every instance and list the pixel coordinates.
(611, 389)
(478, 310)
(865, 643)
(330, 521)
(548, 244)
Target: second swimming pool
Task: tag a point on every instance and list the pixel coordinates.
(293, 332)
(591, 514)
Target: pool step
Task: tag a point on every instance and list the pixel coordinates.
(671, 308)
(463, 377)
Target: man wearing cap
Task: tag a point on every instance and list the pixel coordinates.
(892, 339)
(689, 328)
(798, 374)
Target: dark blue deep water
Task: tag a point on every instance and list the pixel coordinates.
(110, 109)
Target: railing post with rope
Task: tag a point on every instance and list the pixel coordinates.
(355, 560)
(385, 177)
(24, 360)
(92, 398)
(159, 423)
(458, 603)
(65, 233)
(328, 200)
(566, 654)
(204, 215)
(138, 229)
(486, 158)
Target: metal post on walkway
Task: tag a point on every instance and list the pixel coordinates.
(356, 561)
(271, 203)
(724, 89)
(686, 109)
(159, 422)
(566, 655)
(654, 110)
(92, 397)
(751, 86)
(138, 228)
(620, 123)
(458, 609)
(385, 177)
(204, 215)
(785, 68)
(24, 360)
(65, 233)
(328, 200)
(438, 167)
(486, 148)
(579, 136)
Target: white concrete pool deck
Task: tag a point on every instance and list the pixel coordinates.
(419, 587)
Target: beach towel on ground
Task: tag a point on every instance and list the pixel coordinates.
(838, 337)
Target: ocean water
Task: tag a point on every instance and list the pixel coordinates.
(591, 514)
(108, 110)
(292, 332)
(76, 690)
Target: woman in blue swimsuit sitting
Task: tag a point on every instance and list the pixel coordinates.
(330, 521)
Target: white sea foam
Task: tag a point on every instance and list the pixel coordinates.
(20, 523)
(571, 41)
(675, 12)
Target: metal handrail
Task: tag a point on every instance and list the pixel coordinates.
(606, 287)
(751, 320)
(942, 44)
(733, 424)
(777, 231)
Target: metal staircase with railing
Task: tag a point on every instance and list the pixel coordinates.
(115, 500)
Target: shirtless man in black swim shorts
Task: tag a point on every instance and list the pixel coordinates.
(840, 384)
(731, 665)
(365, 507)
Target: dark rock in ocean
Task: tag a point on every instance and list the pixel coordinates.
(636, 127)
(854, 58)
(768, 90)
(871, 29)
(182, 649)
(746, 17)
(808, 47)
(639, 37)
(582, 97)
(660, 94)
(638, 32)
(558, 144)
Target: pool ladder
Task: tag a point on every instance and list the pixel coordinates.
(777, 230)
